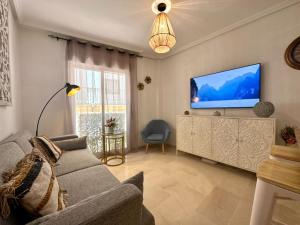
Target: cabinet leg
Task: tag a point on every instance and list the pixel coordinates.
(147, 146)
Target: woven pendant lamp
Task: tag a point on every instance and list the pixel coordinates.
(162, 38)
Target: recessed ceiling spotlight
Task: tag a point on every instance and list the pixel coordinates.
(159, 6)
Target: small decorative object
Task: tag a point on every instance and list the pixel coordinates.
(140, 86)
(111, 124)
(5, 88)
(148, 79)
(292, 54)
(264, 109)
(217, 113)
(186, 112)
(288, 135)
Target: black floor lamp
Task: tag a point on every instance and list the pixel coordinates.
(71, 89)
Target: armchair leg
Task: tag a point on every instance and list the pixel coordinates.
(147, 146)
(163, 148)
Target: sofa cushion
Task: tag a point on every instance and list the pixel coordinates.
(72, 144)
(64, 137)
(10, 155)
(22, 139)
(87, 182)
(155, 137)
(71, 161)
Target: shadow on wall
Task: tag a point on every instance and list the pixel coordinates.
(172, 139)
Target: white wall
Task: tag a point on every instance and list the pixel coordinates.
(148, 99)
(264, 41)
(11, 116)
(43, 72)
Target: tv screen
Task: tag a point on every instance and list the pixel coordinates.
(236, 88)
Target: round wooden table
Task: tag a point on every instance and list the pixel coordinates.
(113, 148)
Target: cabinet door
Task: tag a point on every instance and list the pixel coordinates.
(225, 140)
(184, 133)
(256, 138)
(202, 136)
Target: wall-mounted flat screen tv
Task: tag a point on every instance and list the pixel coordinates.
(236, 88)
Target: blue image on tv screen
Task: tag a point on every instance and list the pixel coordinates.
(237, 88)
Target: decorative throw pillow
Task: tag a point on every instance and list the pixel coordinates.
(137, 180)
(72, 144)
(51, 152)
(33, 185)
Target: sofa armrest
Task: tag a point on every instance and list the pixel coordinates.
(64, 137)
(72, 144)
(121, 205)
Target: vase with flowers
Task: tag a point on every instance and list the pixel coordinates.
(111, 124)
(288, 135)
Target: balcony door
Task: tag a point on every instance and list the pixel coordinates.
(102, 96)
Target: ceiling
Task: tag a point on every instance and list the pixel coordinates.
(127, 23)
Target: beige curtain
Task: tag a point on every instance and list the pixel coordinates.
(102, 72)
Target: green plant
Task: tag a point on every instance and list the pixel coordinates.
(111, 122)
(288, 135)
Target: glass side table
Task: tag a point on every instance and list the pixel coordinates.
(113, 148)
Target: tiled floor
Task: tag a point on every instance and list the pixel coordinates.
(183, 190)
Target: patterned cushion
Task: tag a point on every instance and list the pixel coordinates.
(51, 152)
(33, 185)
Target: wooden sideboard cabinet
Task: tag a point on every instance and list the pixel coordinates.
(236, 141)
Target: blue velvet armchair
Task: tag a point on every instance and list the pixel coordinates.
(156, 132)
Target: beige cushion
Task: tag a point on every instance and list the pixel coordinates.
(51, 152)
(33, 184)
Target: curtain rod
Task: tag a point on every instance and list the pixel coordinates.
(94, 44)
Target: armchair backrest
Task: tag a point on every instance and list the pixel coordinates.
(157, 126)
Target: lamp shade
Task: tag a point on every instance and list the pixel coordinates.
(162, 37)
(72, 89)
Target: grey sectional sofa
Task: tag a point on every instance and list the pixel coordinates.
(95, 195)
